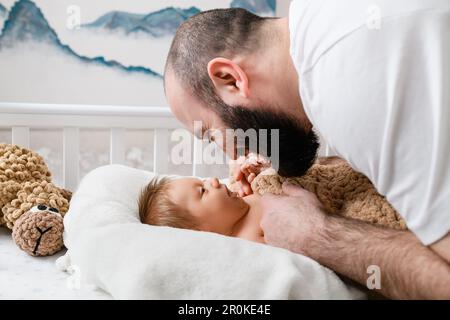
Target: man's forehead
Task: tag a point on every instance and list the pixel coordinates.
(184, 105)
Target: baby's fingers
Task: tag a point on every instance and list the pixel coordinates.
(238, 174)
(245, 188)
(248, 169)
(251, 177)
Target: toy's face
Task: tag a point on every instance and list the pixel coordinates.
(44, 208)
(39, 231)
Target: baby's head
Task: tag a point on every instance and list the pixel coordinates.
(190, 203)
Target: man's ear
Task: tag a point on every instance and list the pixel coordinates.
(228, 78)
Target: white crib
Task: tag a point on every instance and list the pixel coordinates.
(21, 117)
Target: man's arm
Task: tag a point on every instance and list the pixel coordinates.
(442, 248)
(408, 269)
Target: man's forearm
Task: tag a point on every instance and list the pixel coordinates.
(408, 269)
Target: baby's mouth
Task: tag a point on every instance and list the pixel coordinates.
(230, 193)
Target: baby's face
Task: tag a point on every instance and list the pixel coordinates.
(215, 207)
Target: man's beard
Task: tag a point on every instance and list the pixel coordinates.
(297, 146)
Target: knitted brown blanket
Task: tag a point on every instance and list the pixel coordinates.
(341, 190)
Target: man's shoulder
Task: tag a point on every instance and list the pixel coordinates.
(319, 26)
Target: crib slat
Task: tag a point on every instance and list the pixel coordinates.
(198, 157)
(117, 146)
(161, 151)
(71, 151)
(21, 136)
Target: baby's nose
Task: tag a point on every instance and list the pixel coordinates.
(214, 183)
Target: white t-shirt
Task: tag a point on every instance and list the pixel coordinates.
(375, 82)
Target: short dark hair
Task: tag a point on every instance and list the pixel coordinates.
(206, 35)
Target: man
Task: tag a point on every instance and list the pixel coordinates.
(374, 81)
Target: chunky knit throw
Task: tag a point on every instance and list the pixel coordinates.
(341, 190)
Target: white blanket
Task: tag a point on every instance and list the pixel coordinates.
(23, 277)
(111, 249)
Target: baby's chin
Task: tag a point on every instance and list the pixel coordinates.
(241, 203)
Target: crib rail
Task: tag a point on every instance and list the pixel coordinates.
(21, 117)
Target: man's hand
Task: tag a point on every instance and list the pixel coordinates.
(291, 219)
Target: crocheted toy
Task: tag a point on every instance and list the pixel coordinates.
(340, 189)
(30, 204)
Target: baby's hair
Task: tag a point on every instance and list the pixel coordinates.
(156, 208)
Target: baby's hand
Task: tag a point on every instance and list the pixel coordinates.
(246, 170)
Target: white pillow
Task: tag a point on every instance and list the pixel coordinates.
(113, 250)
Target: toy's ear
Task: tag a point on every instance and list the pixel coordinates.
(66, 194)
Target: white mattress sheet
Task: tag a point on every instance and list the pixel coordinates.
(26, 277)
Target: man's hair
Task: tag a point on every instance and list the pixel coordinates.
(205, 36)
(156, 207)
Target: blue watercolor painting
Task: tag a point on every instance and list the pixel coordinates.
(27, 23)
(115, 57)
(265, 7)
(157, 24)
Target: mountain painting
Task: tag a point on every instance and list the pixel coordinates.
(113, 55)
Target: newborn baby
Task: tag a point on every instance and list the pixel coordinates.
(203, 205)
(206, 205)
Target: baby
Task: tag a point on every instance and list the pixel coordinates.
(208, 205)
(204, 205)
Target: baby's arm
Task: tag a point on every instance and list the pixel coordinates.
(244, 170)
